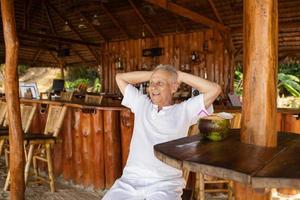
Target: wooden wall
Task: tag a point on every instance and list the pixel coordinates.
(215, 63)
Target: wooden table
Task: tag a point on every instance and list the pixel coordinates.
(260, 167)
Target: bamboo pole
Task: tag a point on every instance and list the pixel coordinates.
(260, 68)
(17, 187)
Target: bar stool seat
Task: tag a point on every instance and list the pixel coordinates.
(38, 137)
(3, 128)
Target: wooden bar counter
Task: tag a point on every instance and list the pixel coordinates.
(95, 140)
(92, 138)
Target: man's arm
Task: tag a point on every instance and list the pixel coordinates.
(210, 89)
(123, 79)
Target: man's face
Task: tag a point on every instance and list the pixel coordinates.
(161, 88)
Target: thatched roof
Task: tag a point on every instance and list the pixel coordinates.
(42, 28)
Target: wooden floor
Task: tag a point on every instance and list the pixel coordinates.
(65, 191)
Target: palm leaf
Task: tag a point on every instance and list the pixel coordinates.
(293, 91)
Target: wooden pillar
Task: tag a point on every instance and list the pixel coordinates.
(17, 186)
(260, 71)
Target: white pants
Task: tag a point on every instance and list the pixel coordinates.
(133, 189)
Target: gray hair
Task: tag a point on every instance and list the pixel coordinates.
(167, 68)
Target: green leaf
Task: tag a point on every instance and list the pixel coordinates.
(291, 90)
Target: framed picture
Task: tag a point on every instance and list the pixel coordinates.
(29, 87)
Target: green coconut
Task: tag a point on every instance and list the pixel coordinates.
(214, 127)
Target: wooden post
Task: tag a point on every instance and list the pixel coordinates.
(260, 72)
(17, 187)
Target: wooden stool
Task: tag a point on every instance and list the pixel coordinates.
(27, 114)
(93, 99)
(44, 141)
(3, 129)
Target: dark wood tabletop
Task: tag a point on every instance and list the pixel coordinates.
(262, 167)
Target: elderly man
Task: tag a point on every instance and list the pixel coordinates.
(157, 119)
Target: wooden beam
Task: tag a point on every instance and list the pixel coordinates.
(80, 56)
(27, 4)
(114, 20)
(196, 17)
(179, 21)
(16, 147)
(49, 18)
(142, 18)
(283, 27)
(92, 26)
(75, 31)
(212, 5)
(35, 57)
(34, 36)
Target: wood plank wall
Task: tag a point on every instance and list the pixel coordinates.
(217, 62)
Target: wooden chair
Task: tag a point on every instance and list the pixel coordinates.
(93, 99)
(234, 123)
(236, 120)
(201, 180)
(43, 141)
(66, 96)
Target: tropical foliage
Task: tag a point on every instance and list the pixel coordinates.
(83, 77)
(288, 85)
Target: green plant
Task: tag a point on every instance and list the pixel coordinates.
(71, 85)
(77, 76)
(288, 83)
(83, 72)
(97, 86)
(238, 83)
(290, 68)
(22, 69)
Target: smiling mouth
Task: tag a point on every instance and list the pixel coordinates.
(155, 93)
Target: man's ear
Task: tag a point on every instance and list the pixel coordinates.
(175, 87)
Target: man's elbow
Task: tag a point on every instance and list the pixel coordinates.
(118, 76)
(218, 89)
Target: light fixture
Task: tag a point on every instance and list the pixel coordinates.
(81, 25)
(66, 27)
(143, 32)
(194, 56)
(96, 21)
(119, 63)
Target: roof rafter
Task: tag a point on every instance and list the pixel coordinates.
(212, 5)
(179, 21)
(49, 19)
(30, 35)
(114, 20)
(196, 17)
(27, 5)
(142, 18)
(36, 56)
(92, 51)
(92, 26)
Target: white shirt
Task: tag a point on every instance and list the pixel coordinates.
(152, 127)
